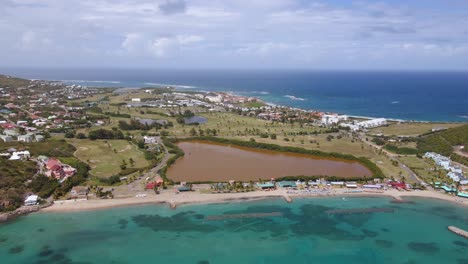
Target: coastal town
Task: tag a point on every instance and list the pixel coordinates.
(64, 131)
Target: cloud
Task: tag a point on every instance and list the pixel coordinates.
(139, 44)
(240, 33)
(170, 7)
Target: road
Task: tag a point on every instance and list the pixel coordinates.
(138, 185)
(394, 157)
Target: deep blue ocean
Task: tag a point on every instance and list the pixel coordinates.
(422, 96)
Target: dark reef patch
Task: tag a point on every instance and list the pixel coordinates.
(203, 262)
(314, 220)
(370, 233)
(426, 248)
(460, 243)
(40, 230)
(122, 223)
(385, 229)
(181, 222)
(384, 243)
(45, 251)
(16, 250)
(462, 261)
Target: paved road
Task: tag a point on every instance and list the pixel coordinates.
(392, 156)
(138, 185)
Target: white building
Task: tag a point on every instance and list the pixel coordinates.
(136, 99)
(150, 140)
(333, 119)
(28, 138)
(366, 124)
(31, 200)
(214, 99)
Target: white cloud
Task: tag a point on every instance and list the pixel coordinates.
(236, 33)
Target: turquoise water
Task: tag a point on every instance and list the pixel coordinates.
(304, 233)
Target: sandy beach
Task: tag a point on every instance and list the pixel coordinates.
(173, 200)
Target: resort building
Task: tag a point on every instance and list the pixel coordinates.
(366, 124)
(333, 119)
(454, 172)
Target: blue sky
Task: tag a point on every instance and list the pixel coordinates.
(334, 34)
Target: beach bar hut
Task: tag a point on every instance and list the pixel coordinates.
(372, 186)
(337, 183)
(285, 184)
(448, 189)
(266, 185)
(351, 185)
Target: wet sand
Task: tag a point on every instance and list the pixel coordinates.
(219, 162)
(168, 196)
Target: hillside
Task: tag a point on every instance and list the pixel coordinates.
(444, 141)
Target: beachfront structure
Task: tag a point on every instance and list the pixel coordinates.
(454, 172)
(31, 200)
(285, 184)
(266, 185)
(351, 185)
(58, 170)
(79, 192)
(333, 119)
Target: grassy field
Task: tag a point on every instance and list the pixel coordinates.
(105, 157)
(231, 125)
(410, 129)
(424, 168)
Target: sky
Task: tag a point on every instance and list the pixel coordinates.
(334, 34)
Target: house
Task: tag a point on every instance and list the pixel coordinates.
(6, 138)
(79, 192)
(150, 140)
(31, 200)
(28, 138)
(136, 100)
(58, 170)
(17, 155)
(11, 132)
(39, 138)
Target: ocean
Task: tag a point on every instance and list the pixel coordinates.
(298, 232)
(413, 95)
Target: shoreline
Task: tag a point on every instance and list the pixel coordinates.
(173, 200)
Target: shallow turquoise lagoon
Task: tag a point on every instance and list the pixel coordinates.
(299, 232)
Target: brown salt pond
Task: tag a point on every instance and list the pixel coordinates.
(219, 162)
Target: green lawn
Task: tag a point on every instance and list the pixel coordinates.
(105, 157)
(410, 129)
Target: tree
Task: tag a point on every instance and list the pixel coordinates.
(131, 161)
(80, 136)
(123, 166)
(193, 132)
